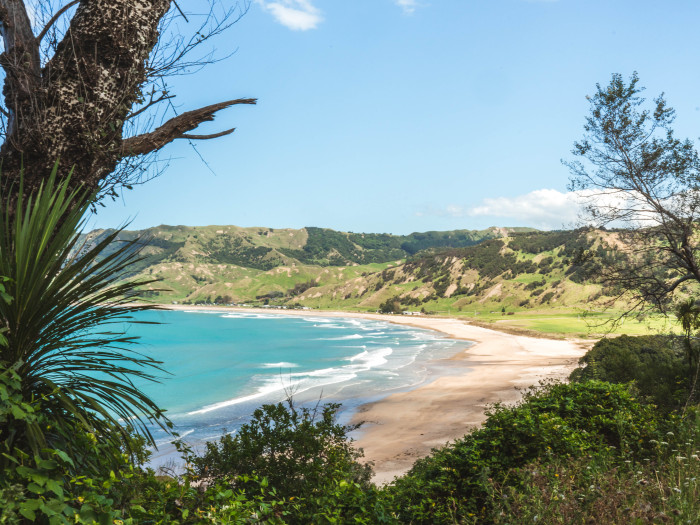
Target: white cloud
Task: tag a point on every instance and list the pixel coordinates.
(298, 15)
(546, 209)
(550, 209)
(408, 6)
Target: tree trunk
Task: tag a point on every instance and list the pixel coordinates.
(72, 110)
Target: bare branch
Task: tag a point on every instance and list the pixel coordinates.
(207, 137)
(55, 18)
(150, 103)
(180, 10)
(176, 128)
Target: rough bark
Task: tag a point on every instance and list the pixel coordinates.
(73, 108)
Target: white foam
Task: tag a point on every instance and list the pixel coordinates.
(264, 390)
(250, 316)
(343, 338)
(170, 440)
(299, 382)
(372, 359)
(283, 364)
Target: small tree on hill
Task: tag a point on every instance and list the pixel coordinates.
(633, 172)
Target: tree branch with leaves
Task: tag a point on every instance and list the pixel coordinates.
(634, 174)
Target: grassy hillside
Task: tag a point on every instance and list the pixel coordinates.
(541, 281)
(521, 278)
(267, 248)
(520, 272)
(248, 264)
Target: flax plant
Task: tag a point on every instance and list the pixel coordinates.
(61, 326)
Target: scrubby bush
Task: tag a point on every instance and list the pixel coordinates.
(455, 483)
(655, 364)
(298, 450)
(547, 297)
(392, 306)
(535, 284)
(663, 486)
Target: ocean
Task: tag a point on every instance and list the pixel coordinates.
(223, 365)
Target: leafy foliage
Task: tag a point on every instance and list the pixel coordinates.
(298, 450)
(455, 482)
(663, 486)
(391, 306)
(656, 364)
(55, 340)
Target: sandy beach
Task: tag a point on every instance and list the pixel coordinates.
(405, 426)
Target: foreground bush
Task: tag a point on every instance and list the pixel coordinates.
(583, 453)
(564, 421)
(296, 449)
(656, 364)
(662, 487)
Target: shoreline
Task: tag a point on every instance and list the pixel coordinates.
(405, 426)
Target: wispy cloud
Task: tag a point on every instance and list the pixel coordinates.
(408, 6)
(546, 209)
(298, 15)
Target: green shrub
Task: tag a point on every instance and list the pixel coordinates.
(655, 364)
(299, 451)
(455, 483)
(663, 486)
(53, 486)
(391, 306)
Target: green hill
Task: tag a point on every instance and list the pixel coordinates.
(522, 271)
(247, 264)
(267, 248)
(519, 278)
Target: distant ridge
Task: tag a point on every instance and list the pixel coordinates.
(515, 268)
(266, 248)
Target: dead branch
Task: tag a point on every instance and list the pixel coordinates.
(176, 127)
(207, 137)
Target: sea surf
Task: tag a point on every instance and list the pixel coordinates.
(222, 365)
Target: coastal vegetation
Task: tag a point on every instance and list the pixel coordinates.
(619, 443)
(585, 452)
(627, 424)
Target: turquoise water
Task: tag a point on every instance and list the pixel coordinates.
(223, 366)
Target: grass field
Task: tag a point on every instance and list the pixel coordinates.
(590, 326)
(570, 324)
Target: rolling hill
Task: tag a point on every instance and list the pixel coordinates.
(195, 263)
(449, 272)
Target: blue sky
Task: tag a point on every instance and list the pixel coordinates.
(410, 115)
